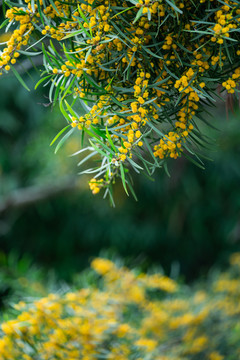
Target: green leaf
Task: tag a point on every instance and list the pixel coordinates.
(172, 4)
(110, 140)
(139, 14)
(70, 109)
(73, 33)
(63, 111)
(166, 169)
(123, 178)
(30, 53)
(20, 79)
(83, 28)
(82, 14)
(41, 13)
(101, 143)
(54, 6)
(92, 82)
(68, 90)
(59, 134)
(88, 53)
(98, 150)
(193, 161)
(42, 80)
(62, 141)
(59, 84)
(4, 23)
(151, 53)
(132, 191)
(121, 12)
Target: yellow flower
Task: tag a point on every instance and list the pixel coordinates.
(102, 266)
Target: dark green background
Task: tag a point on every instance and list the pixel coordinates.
(186, 223)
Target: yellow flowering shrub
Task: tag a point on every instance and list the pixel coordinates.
(127, 314)
(133, 76)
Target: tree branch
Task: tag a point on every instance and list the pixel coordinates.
(29, 196)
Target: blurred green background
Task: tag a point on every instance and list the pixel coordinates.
(185, 223)
(51, 226)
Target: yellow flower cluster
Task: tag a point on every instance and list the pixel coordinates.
(142, 70)
(18, 38)
(171, 146)
(224, 24)
(131, 315)
(95, 185)
(231, 84)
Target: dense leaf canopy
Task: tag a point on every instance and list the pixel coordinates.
(133, 77)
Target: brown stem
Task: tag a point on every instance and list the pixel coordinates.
(31, 195)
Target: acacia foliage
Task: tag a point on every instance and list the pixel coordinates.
(129, 315)
(132, 77)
